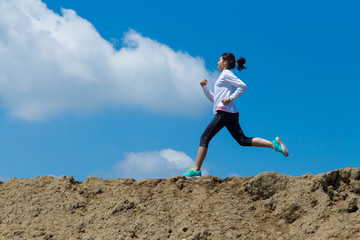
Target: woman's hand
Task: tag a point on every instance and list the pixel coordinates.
(203, 83)
(226, 101)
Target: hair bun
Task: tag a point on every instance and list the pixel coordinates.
(241, 61)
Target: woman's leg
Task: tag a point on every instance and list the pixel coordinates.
(260, 142)
(218, 122)
(200, 158)
(238, 134)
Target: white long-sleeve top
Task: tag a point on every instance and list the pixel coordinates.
(225, 88)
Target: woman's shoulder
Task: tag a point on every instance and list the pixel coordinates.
(227, 73)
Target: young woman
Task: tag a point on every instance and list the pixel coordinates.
(227, 88)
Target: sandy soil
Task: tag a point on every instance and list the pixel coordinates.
(268, 206)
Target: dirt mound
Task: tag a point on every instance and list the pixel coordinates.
(268, 206)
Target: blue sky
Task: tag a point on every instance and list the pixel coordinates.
(111, 88)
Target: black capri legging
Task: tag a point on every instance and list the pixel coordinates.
(231, 122)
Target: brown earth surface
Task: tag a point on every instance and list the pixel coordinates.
(268, 206)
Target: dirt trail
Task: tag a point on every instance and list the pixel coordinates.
(268, 206)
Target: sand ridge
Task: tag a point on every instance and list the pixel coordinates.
(268, 206)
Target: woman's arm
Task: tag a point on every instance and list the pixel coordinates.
(206, 90)
(235, 81)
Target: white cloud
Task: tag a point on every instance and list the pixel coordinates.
(52, 64)
(52, 175)
(155, 164)
(233, 175)
(4, 179)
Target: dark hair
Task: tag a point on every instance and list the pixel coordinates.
(230, 58)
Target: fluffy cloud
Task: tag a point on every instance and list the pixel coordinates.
(4, 179)
(156, 164)
(52, 64)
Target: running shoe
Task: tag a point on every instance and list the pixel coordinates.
(192, 173)
(280, 147)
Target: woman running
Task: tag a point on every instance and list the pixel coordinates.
(227, 88)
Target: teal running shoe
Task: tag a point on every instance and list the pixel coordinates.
(280, 147)
(192, 173)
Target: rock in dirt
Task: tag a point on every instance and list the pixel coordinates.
(268, 206)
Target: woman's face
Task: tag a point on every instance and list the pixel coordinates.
(221, 64)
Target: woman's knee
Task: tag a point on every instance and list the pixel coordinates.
(245, 141)
(204, 141)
